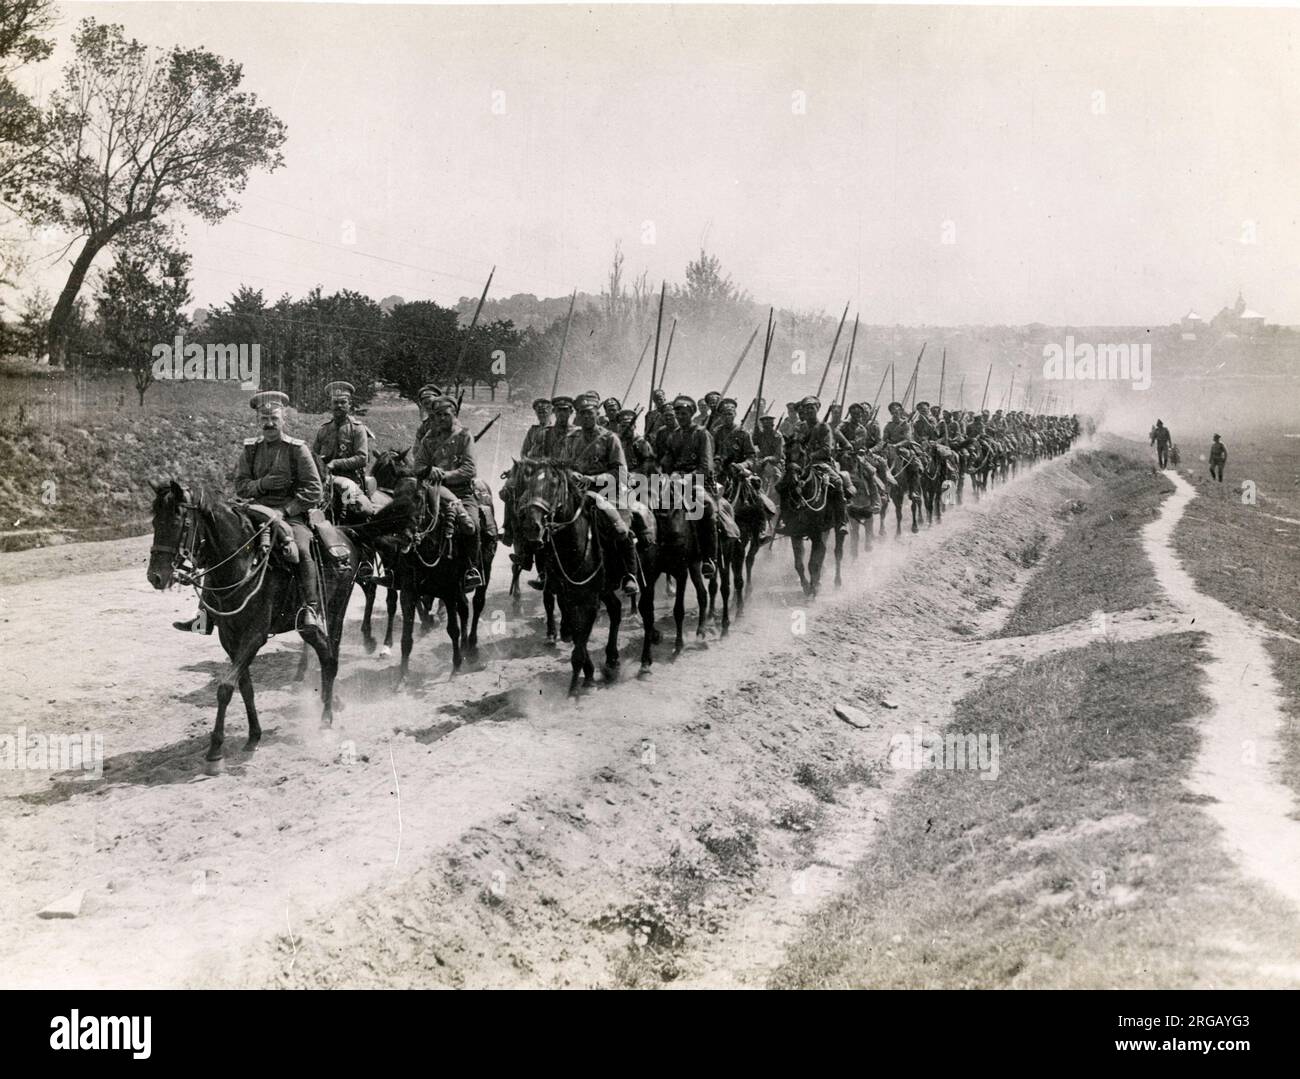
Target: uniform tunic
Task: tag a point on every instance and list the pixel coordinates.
(287, 458)
(346, 444)
(453, 453)
(733, 447)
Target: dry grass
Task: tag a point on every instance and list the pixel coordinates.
(1098, 564)
(1085, 863)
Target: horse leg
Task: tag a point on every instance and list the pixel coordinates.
(226, 688)
(409, 603)
(480, 598)
(701, 596)
(796, 545)
(646, 603)
(738, 571)
(329, 669)
(548, 603)
(614, 608)
(368, 588)
(679, 608)
(390, 601)
(453, 608)
(581, 623)
(815, 560)
(250, 708)
(839, 558)
(301, 672)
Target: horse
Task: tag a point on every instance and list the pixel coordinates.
(934, 483)
(429, 566)
(556, 523)
(676, 558)
(866, 500)
(512, 480)
(226, 554)
(810, 511)
(907, 476)
(753, 518)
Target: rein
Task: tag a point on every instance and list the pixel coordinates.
(186, 572)
(550, 526)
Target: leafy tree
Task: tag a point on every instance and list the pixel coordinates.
(140, 305)
(134, 133)
(422, 341)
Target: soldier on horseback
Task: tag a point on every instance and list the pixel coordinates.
(278, 472)
(343, 443)
(637, 451)
(445, 458)
(596, 454)
(688, 454)
(553, 439)
(535, 439)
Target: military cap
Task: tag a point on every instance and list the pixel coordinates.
(611, 401)
(442, 400)
(682, 401)
(767, 419)
(713, 393)
(340, 389)
(810, 402)
(428, 390)
(268, 399)
(541, 401)
(893, 405)
(922, 404)
(627, 413)
(857, 406)
(728, 402)
(561, 401)
(586, 400)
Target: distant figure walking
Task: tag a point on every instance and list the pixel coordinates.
(1161, 439)
(1218, 457)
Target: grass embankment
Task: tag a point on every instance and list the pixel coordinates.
(76, 457)
(1099, 565)
(1247, 555)
(1086, 862)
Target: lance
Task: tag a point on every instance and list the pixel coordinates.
(637, 370)
(663, 371)
(654, 364)
(985, 399)
(745, 352)
(943, 370)
(893, 390)
(767, 348)
(488, 427)
(834, 344)
(875, 403)
(911, 382)
(555, 382)
(961, 395)
(1011, 391)
(848, 366)
(464, 348)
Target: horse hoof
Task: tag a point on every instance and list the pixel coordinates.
(370, 645)
(656, 637)
(213, 766)
(385, 652)
(251, 745)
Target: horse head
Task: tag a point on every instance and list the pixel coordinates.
(171, 506)
(389, 466)
(546, 493)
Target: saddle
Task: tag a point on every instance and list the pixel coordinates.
(326, 538)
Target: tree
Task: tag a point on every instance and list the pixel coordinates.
(422, 342)
(140, 305)
(135, 132)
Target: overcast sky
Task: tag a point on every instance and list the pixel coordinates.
(1093, 165)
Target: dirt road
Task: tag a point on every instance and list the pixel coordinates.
(483, 830)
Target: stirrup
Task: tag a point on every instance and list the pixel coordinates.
(472, 580)
(307, 619)
(708, 569)
(630, 587)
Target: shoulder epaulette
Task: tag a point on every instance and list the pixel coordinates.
(293, 441)
(252, 441)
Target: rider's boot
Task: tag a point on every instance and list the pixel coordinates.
(200, 623)
(708, 534)
(309, 588)
(627, 555)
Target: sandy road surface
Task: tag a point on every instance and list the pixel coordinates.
(1238, 764)
(482, 830)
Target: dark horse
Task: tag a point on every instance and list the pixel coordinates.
(555, 523)
(754, 519)
(428, 566)
(907, 475)
(220, 548)
(810, 508)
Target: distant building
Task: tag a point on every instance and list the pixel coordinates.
(1238, 321)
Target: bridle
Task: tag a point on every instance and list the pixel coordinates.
(185, 571)
(550, 526)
